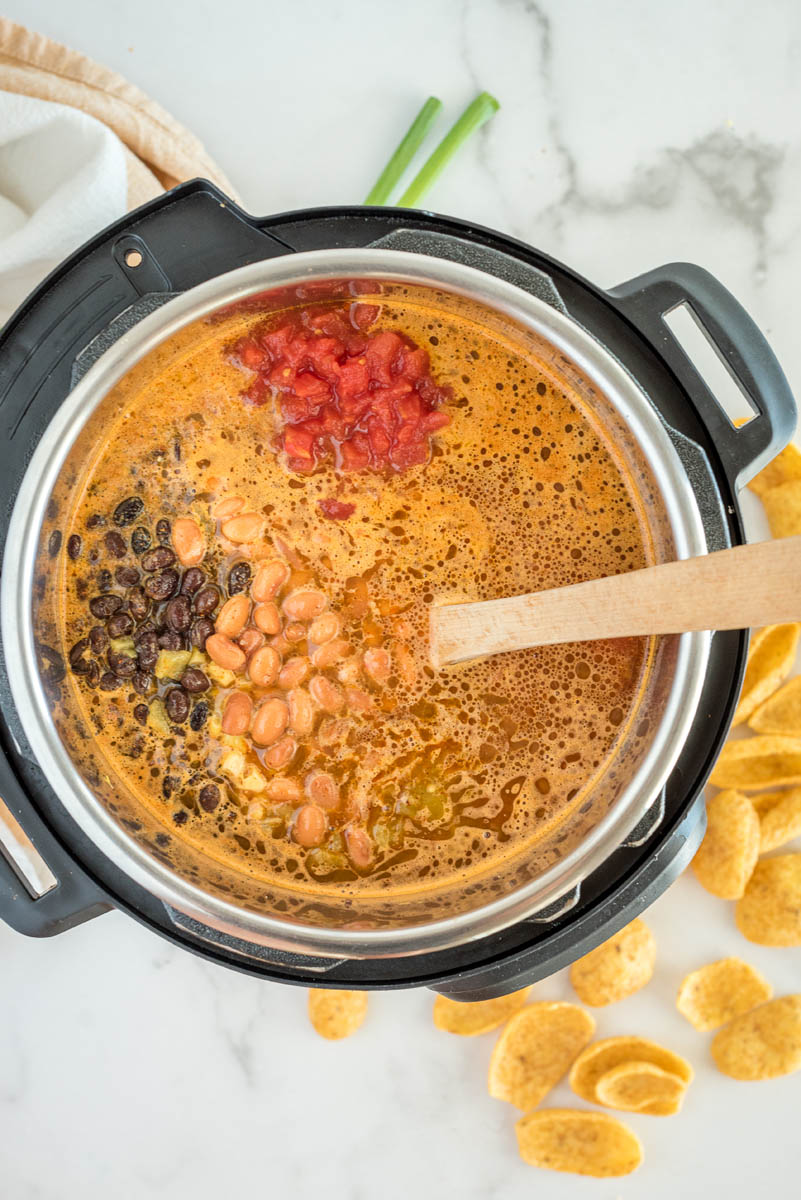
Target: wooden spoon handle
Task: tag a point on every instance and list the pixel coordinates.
(753, 585)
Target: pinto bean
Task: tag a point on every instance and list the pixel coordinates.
(330, 653)
(264, 666)
(305, 605)
(269, 579)
(250, 641)
(407, 667)
(324, 628)
(237, 713)
(233, 616)
(301, 712)
(293, 672)
(188, 540)
(224, 652)
(323, 790)
(266, 617)
(270, 722)
(283, 790)
(326, 694)
(350, 671)
(245, 527)
(357, 699)
(359, 845)
(295, 632)
(310, 826)
(378, 664)
(227, 508)
(280, 754)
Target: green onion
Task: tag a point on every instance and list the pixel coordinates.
(408, 147)
(473, 117)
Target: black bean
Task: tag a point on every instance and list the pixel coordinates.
(206, 600)
(140, 540)
(115, 543)
(98, 639)
(163, 585)
(138, 603)
(78, 650)
(158, 558)
(104, 580)
(54, 543)
(163, 531)
(180, 817)
(142, 682)
(123, 665)
(94, 555)
(239, 578)
(201, 629)
(194, 680)
(105, 606)
(176, 703)
(126, 576)
(193, 579)
(109, 682)
(209, 797)
(199, 716)
(147, 650)
(172, 640)
(93, 674)
(74, 546)
(178, 613)
(168, 785)
(119, 625)
(127, 512)
(95, 521)
(140, 713)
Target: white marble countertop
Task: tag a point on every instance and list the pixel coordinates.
(630, 134)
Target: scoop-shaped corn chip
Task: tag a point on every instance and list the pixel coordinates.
(603, 1056)
(781, 822)
(582, 1143)
(763, 1043)
(336, 1014)
(766, 761)
(720, 991)
(764, 801)
(617, 968)
(782, 506)
(770, 660)
(770, 910)
(781, 712)
(727, 855)
(479, 1017)
(535, 1050)
(784, 467)
(641, 1087)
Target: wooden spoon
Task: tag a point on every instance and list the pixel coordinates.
(745, 586)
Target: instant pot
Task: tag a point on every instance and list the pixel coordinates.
(70, 854)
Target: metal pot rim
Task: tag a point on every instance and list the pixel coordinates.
(17, 580)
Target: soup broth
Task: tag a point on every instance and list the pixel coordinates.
(328, 753)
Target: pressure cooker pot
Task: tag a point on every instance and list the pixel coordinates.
(144, 299)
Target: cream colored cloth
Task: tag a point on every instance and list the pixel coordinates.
(79, 146)
(159, 152)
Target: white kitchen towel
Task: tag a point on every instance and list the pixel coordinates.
(62, 178)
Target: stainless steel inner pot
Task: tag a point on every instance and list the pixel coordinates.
(335, 925)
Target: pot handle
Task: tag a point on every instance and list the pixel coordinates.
(741, 347)
(42, 891)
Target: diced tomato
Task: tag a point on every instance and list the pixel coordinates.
(362, 316)
(365, 400)
(299, 445)
(382, 351)
(249, 353)
(335, 510)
